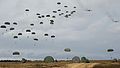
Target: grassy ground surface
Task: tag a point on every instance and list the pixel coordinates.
(63, 64)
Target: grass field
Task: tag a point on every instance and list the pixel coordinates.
(62, 64)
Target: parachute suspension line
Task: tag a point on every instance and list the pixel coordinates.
(108, 13)
(80, 4)
(36, 40)
(109, 16)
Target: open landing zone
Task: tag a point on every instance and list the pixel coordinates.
(60, 64)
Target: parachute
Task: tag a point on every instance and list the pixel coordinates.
(65, 6)
(37, 13)
(51, 21)
(19, 33)
(15, 37)
(58, 3)
(59, 9)
(26, 9)
(67, 50)
(15, 23)
(42, 16)
(53, 16)
(53, 36)
(111, 18)
(39, 16)
(110, 50)
(7, 23)
(2, 26)
(28, 30)
(33, 33)
(32, 24)
(54, 11)
(35, 39)
(48, 59)
(47, 15)
(76, 59)
(41, 22)
(45, 34)
(74, 7)
(84, 60)
(16, 53)
(12, 28)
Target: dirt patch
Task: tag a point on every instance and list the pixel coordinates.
(93, 65)
(115, 65)
(82, 65)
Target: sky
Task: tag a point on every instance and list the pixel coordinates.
(86, 33)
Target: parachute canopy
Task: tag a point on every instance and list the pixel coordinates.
(23, 60)
(45, 34)
(33, 33)
(76, 59)
(59, 9)
(32, 24)
(42, 16)
(58, 3)
(48, 59)
(3, 26)
(7, 23)
(54, 11)
(67, 49)
(110, 50)
(53, 16)
(51, 21)
(16, 53)
(53, 36)
(19, 33)
(15, 37)
(88, 10)
(41, 22)
(12, 28)
(74, 7)
(15, 23)
(37, 13)
(28, 30)
(65, 6)
(84, 60)
(39, 16)
(35, 39)
(26, 9)
(47, 15)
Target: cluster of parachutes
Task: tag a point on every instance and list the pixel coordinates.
(8, 26)
(13, 26)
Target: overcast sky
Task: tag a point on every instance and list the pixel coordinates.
(86, 33)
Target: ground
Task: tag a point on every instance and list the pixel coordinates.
(63, 64)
